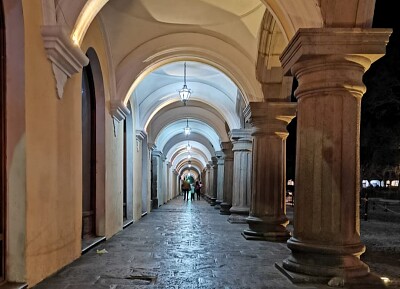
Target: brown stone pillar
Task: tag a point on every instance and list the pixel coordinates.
(241, 191)
(227, 178)
(329, 65)
(267, 219)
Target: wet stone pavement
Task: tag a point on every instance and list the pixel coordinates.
(185, 245)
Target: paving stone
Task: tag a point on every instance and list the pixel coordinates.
(180, 245)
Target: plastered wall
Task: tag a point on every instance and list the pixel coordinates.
(53, 159)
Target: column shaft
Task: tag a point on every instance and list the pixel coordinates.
(242, 167)
(227, 178)
(267, 219)
(329, 65)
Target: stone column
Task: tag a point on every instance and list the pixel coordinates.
(329, 65)
(220, 181)
(267, 219)
(142, 179)
(155, 177)
(162, 182)
(242, 166)
(208, 182)
(213, 180)
(169, 181)
(227, 178)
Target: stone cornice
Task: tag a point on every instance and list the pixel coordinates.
(156, 153)
(66, 58)
(271, 117)
(242, 134)
(118, 110)
(141, 135)
(370, 43)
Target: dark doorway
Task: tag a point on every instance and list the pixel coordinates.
(88, 154)
(2, 146)
(125, 189)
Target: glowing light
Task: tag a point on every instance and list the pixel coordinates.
(189, 156)
(75, 40)
(385, 280)
(85, 18)
(188, 147)
(187, 130)
(185, 92)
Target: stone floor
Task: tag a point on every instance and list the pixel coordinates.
(181, 245)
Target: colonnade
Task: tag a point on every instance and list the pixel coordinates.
(246, 179)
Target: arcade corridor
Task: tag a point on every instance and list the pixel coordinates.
(108, 106)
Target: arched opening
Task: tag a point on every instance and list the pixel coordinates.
(88, 154)
(2, 146)
(128, 169)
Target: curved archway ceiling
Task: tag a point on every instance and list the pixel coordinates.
(208, 85)
(139, 21)
(212, 90)
(130, 24)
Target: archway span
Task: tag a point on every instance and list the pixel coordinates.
(180, 140)
(198, 110)
(179, 150)
(175, 130)
(292, 14)
(195, 164)
(187, 47)
(199, 154)
(208, 85)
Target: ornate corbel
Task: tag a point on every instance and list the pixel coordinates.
(66, 57)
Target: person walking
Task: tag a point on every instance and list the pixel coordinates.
(185, 189)
(197, 190)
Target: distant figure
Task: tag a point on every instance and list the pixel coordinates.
(197, 189)
(185, 189)
(192, 193)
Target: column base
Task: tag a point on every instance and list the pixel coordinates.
(369, 281)
(217, 204)
(326, 261)
(273, 229)
(225, 209)
(238, 215)
(237, 219)
(213, 201)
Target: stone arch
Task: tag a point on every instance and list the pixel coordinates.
(187, 47)
(269, 71)
(199, 111)
(292, 15)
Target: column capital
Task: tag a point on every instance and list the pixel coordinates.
(370, 44)
(219, 154)
(270, 117)
(242, 134)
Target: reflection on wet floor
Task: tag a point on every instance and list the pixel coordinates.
(183, 244)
